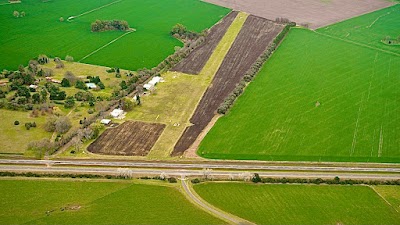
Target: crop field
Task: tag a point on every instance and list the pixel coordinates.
(369, 29)
(315, 13)
(130, 138)
(300, 204)
(195, 62)
(319, 99)
(41, 32)
(15, 138)
(251, 42)
(391, 194)
(91, 202)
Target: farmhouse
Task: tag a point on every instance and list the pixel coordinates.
(117, 113)
(91, 85)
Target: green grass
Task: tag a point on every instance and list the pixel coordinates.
(15, 139)
(26, 202)
(369, 29)
(300, 204)
(277, 119)
(391, 194)
(40, 31)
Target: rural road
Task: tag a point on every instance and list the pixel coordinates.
(382, 168)
(198, 173)
(201, 203)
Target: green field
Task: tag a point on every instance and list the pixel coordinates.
(88, 202)
(41, 32)
(369, 29)
(277, 117)
(300, 204)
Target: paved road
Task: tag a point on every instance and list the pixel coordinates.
(226, 216)
(387, 168)
(199, 173)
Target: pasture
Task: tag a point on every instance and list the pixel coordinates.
(300, 204)
(41, 32)
(96, 202)
(369, 29)
(318, 99)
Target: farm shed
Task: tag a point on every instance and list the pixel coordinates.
(105, 121)
(117, 113)
(91, 85)
(148, 86)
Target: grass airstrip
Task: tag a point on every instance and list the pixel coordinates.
(96, 202)
(317, 98)
(41, 32)
(305, 204)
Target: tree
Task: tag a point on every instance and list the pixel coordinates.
(23, 91)
(62, 125)
(41, 148)
(43, 59)
(80, 85)
(256, 178)
(22, 14)
(123, 85)
(69, 102)
(16, 14)
(127, 104)
(178, 29)
(50, 125)
(61, 19)
(69, 58)
(138, 102)
(43, 94)
(70, 77)
(65, 83)
(101, 85)
(36, 98)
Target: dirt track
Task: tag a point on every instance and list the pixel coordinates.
(317, 13)
(251, 42)
(130, 138)
(195, 62)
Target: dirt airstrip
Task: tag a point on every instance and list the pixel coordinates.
(316, 13)
(131, 138)
(251, 42)
(195, 62)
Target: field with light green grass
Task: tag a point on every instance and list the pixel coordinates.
(369, 29)
(41, 32)
(15, 138)
(96, 202)
(300, 204)
(278, 117)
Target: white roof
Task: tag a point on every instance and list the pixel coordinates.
(148, 86)
(117, 112)
(91, 85)
(105, 121)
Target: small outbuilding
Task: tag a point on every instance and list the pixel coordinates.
(117, 113)
(91, 85)
(105, 121)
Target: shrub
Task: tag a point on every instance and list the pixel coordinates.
(69, 58)
(172, 180)
(16, 122)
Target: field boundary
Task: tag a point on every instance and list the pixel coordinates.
(384, 199)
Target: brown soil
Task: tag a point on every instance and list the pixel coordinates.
(132, 138)
(317, 13)
(195, 62)
(250, 43)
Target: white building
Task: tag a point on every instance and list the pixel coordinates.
(91, 85)
(105, 121)
(117, 113)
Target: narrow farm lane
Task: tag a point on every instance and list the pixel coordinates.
(209, 208)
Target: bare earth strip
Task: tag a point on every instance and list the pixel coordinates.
(195, 62)
(130, 138)
(316, 13)
(251, 42)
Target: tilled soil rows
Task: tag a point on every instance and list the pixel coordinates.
(131, 138)
(316, 13)
(251, 42)
(196, 60)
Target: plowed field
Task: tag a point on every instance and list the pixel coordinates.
(195, 62)
(130, 138)
(252, 40)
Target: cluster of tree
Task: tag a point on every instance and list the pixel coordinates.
(96, 80)
(391, 41)
(60, 124)
(55, 92)
(252, 72)
(179, 31)
(105, 25)
(59, 63)
(17, 14)
(61, 175)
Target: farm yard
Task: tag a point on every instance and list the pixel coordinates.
(369, 29)
(130, 138)
(195, 62)
(250, 43)
(304, 204)
(42, 31)
(96, 202)
(316, 99)
(314, 13)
